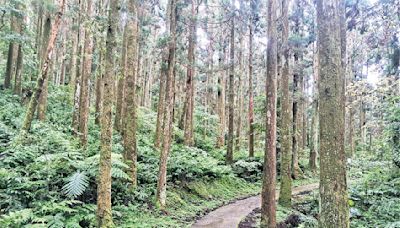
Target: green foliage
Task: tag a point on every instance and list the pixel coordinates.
(375, 199)
(76, 185)
(249, 169)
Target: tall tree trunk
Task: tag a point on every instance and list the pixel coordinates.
(169, 110)
(19, 64)
(130, 115)
(10, 57)
(100, 71)
(221, 98)
(334, 211)
(161, 103)
(251, 96)
(104, 216)
(314, 120)
(285, 196)
(121, 83)
(239, 99)
(78, 71)
(231, 95)
(42, 105)
(189, 103)
(268, 205)
(85, 80)
(30, 112)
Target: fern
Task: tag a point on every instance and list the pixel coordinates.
(119, 173)
(76, 185)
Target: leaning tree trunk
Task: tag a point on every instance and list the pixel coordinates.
(268, 205)
(42, 104)
(30, 112)
(104, 216)
(334, 210)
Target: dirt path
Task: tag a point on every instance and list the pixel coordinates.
(229, 216)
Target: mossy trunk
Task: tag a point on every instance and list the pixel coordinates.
(285, 196)
(221, 99)
(130, 98)
(231, 95)
(169, 110)
(334, 210)
(189, 102)
(268, 204)
(251, 93)
(85, 81)
(42, 103)
(10, 58)
(104, 216)
(30, 112)
(121, 84)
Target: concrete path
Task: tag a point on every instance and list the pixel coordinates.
(229, 216)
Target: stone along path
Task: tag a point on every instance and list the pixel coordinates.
(229, 216)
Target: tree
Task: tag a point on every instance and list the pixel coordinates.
(20, 59)
(42, 103)
(130, 150)
(231, 95)
(168, 113)
(104, 216)
(221, 95)
(285, 195)
(334, 211)
(189, 102)
(10, 56)
(121, 89)
(252, 22)
(268, 205)
(33, 103)
(85, 79)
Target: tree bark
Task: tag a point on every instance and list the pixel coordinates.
(169, 110)
(30, 112)
(268, 205)
(131, 101)
(19, 64)
(104, 216)
(334, 211)
(231, 95)
(121, 84)
(42, 105)
(251, 93)
(285, 196)
(221, 98)
(10, 58)
(312, 163)
(189, 103)
(85, 80)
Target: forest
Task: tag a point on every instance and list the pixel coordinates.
(200, 113)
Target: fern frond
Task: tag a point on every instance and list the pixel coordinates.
(119, 173)
(76, 185)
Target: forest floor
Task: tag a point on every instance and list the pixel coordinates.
(232, 214)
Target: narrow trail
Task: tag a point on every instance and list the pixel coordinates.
(229, 216)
